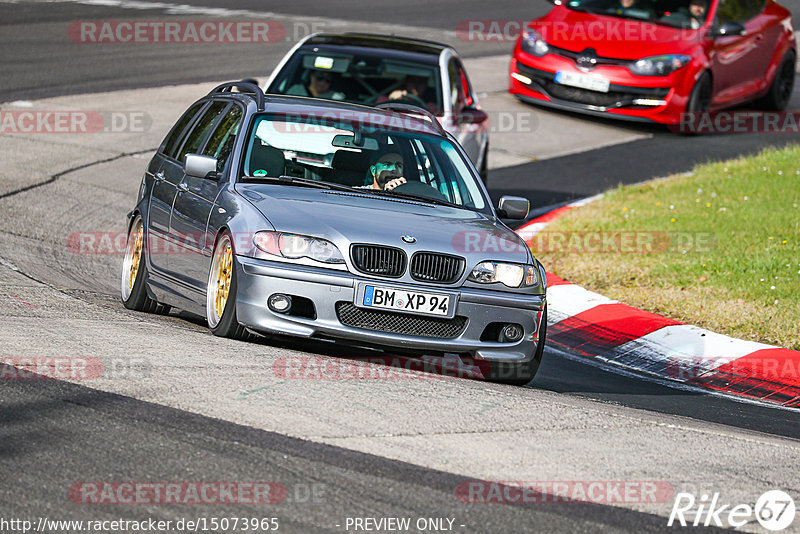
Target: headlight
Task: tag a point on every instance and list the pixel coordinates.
(509, 274)
(658, 65)
(534, 43)
(297, 246)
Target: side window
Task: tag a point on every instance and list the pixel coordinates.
(201, 129)
(456, 90)
(738, 10)
(466, 88)
(220, 144)
(175, 137)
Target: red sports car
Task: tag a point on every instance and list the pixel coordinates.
(654, 60)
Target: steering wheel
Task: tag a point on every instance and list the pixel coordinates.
(408, 98)
(423, 190)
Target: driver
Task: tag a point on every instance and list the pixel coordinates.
(386, 170)
(413, 89)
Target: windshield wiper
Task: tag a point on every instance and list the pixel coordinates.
(411, 196)
(294, 180)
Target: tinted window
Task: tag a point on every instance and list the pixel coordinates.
(431, 166)
(466, 87)
(456, 89)
(201, 129)
(220, 144)
(368, 77)
(738, 10)
(175, 137)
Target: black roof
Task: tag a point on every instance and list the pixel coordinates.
(301, 106)
(387, 42)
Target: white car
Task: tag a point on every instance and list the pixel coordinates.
(374, 69)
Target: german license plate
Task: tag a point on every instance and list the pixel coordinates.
(584, 81)
(401, 300)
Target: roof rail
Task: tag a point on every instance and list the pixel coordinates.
(411, 109)
(244, 86)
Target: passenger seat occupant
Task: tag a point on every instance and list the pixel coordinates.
(266, 160)
(348, 167)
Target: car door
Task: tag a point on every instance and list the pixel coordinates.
(195, 200)
(162, 194)
(189, 221)
(738, 62)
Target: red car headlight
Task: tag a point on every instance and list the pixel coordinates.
(659, 65)
(533, 43)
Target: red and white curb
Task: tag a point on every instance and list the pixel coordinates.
(592, 325)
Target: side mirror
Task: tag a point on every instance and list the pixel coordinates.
(728, 29)
(472, 116)
(513, 207)
(201, 166)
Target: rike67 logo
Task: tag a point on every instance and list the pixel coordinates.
(774, 510)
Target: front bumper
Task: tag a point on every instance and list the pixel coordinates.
(258, 279)
(659, 100)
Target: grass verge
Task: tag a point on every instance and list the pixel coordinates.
(718, 247)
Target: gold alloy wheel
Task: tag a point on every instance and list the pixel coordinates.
(136, 254)
(224, 276)
(133, 256)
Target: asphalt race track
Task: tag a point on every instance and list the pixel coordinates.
(185, 406)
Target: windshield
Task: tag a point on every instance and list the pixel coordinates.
(369, 158)
(365, 78)
(676, 13)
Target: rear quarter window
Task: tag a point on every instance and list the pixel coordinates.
(175, 137)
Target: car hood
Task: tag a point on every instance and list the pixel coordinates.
(613, 37)
(344, 218)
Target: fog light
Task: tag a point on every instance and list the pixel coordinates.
(511, 333)
(522, 78)
(279, 303)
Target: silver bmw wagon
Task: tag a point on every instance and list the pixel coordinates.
(322, 219)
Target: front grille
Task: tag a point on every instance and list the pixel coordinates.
(584, 96)
(563, 52)
(618, 95)
(399, 323)
(432, 267)
(379, 261)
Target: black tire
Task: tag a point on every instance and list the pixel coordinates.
(699, 103)
(777, 98)
(700, 98)
(225, 325)
(520, 374)
(134, 293)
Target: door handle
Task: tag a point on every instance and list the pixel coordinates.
(159, 176)
(183, 186)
